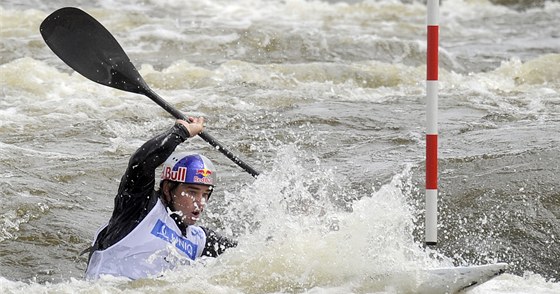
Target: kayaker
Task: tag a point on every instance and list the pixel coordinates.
(153, 230)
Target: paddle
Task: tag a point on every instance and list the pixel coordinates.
(90, 49)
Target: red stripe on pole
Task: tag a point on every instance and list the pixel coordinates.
(431, 161)
(432, 57)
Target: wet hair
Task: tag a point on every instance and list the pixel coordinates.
(171, 184)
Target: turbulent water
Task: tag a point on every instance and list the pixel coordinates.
(327, 100)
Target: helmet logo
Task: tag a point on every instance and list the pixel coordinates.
(203, 176)
(204, 172)
(179, 175)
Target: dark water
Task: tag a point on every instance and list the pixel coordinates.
(327, 99)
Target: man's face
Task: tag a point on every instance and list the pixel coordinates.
(189, 201)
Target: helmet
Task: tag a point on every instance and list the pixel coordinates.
(189, 168)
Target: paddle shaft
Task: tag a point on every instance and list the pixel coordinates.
(205, 136)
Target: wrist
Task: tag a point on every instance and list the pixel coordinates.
(184, 131)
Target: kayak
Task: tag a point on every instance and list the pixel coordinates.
(455, 279)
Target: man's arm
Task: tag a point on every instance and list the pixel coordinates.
(139, 175)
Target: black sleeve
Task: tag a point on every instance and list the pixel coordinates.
(216, 244)
(136, 195)
(139, 175)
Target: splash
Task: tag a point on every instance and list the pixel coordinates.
(296, 236)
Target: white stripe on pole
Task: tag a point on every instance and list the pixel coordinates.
(431, 216)
(433, 12)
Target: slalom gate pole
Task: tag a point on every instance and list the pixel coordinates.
(431, 128)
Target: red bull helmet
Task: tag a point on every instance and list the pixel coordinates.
(189, 168)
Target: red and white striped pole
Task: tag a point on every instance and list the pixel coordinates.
(431, 114)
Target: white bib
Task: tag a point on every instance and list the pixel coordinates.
(155, 245)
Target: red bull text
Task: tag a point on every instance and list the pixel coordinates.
(179, 175)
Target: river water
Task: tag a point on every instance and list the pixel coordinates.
(327, 100)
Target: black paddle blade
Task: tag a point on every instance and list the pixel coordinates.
(90, 49)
